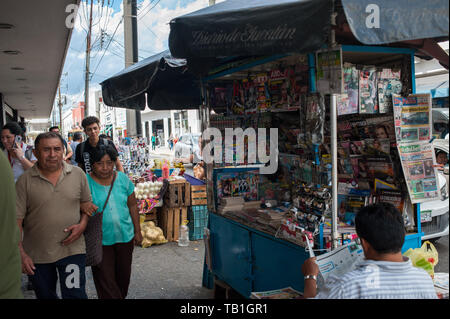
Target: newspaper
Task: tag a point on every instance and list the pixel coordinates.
(329, 77)
(412, 117)
(339, 261)
(284, 293)
(418, 161)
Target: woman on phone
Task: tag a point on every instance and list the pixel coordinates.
(19, 154)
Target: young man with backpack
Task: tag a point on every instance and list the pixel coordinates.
(85, 150)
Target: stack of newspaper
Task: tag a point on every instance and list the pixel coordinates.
(229, 204)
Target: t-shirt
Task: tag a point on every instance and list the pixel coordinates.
(47, 210)
(89, 152)
(380, 280)
(117, 223)
(16, 164)
(10, 261)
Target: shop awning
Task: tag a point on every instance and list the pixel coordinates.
(376, 22)
(166, 81)
(262, 27)
(436, 91)
(251, 27)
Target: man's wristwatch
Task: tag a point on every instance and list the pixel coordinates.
(311, 277)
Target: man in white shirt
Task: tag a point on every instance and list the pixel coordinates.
(384, 273)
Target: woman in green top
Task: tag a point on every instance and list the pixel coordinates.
(121, 229)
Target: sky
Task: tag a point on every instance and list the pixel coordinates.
(153, 32)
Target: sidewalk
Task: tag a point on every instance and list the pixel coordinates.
(162, 151)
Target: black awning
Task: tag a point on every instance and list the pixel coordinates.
(375, 22)
(251, 27)
(166, 81)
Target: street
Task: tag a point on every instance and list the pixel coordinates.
(442, 248)
(164, 271)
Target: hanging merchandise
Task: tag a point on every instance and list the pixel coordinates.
(315, 118)
(348, 101)
(329, 78)
(368, 97)
(388, 84)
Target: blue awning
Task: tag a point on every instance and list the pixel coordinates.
(436, 91)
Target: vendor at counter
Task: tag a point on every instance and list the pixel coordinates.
(384, 273)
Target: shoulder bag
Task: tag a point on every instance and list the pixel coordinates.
(93, 234)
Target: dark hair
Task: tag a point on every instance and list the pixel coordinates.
(382, 226)
(47, 135)
(52, 128)
(77, 136)
(89, 121)
(102, 150)
(13, 127)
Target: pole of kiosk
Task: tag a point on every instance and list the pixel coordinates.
(334, 173)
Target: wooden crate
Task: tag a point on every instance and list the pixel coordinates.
(170, 221)
(178, 194)
(152, 215)
(198, 195)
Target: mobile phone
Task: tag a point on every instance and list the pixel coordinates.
(17, 140)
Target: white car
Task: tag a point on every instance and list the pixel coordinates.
(186, 145)
(437, 227)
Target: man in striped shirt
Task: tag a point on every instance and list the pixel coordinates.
(384, 273)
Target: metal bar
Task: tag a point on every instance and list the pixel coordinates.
(312, 72)
(413, 75)
(334, 181)
(376, 49)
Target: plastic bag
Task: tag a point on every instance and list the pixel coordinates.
(151, 234)
(425, 257)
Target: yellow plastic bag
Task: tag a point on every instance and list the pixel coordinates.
(425, 257)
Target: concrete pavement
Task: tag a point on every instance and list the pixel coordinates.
(163, 271)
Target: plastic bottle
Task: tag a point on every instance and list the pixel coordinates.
(165, 171)
(183, 239)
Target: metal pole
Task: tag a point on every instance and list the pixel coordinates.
(60, 111)
(134, 121)
(87, 72)
(334, 173)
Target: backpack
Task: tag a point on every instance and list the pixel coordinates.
(86, 156)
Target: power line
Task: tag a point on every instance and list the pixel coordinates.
(110, 40)
(149, 10)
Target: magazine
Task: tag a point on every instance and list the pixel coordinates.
(377, 146)
(368, 99)
(284, 293)
(388, 83)
(380, 167)
(348, 101)
(393, 197)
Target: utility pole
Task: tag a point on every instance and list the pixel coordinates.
(60, 111)
(88, 58)
(134, 122)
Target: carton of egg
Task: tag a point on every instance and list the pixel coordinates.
(147, 190)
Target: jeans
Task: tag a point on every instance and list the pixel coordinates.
(72, 278)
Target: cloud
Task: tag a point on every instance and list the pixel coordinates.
(153, 33)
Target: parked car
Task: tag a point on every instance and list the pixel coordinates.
(186, 145)
(437, 227)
